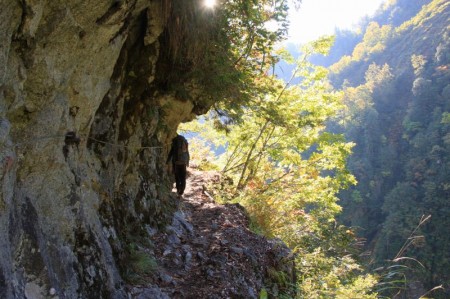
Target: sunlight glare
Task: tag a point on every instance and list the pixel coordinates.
(321, 17)
(210, 3)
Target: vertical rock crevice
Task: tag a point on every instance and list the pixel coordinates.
(124, 137)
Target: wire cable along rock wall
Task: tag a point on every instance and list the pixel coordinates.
(84, 133)
(91, 94)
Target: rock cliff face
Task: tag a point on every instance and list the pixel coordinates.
(86, 117)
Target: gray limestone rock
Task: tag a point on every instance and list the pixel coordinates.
(84, 132)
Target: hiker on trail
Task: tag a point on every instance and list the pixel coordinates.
(179, 154)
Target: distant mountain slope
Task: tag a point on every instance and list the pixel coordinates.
(393, 13)
(384, 43)
(397, 92)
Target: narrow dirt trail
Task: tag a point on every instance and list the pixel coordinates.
(209, 252)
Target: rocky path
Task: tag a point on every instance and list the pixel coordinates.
(209, 252)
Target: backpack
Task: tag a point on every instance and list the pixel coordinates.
(181, 152)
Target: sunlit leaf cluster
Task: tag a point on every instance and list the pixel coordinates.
(286, 170)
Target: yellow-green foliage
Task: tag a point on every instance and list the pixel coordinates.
(287, 171)
(202, 156)
(428, 11)
(221, 50)
(445, 118)
(374, 41)
(376, 37)
(361, 286)
(330, 277)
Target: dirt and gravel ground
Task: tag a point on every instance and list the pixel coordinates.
(209, 252)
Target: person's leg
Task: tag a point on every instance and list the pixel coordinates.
(178, 176)
(182, 179)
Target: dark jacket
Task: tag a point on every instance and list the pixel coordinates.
(173, 154)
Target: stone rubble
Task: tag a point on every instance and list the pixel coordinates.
(209, 252)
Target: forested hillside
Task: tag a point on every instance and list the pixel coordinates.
(396, 84)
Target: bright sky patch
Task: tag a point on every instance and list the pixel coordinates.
(209, 3)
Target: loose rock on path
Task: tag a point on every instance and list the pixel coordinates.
(209, 252)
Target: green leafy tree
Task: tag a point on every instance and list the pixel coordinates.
(287, 171)
(215, 55)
